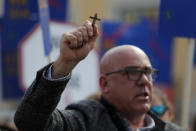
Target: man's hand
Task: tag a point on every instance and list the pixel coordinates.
(75, 46)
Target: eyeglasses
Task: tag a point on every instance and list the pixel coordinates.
(134, 73)
(159, 110)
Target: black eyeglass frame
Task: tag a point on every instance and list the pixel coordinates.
(147, 71)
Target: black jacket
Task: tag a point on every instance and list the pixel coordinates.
(37, 112)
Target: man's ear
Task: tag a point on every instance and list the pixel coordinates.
(103, 84)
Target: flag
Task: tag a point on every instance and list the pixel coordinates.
(44, 21)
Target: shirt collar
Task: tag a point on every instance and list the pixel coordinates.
(150, 124)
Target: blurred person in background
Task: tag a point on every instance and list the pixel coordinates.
(161, 106)
(193, 128)
(7, 126)
(126, 81)
(95, 96)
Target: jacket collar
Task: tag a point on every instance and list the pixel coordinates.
(121, 124)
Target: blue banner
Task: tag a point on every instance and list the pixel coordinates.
(144, 35)
(177, 18)
(44, 21)
(58, 9)
(20, 17)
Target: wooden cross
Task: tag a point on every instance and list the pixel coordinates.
(95, 18)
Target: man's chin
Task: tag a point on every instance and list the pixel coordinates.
(145, 108)
(140, 108)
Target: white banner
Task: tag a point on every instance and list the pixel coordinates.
(84, 79)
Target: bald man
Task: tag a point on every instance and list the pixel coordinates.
(126, 77)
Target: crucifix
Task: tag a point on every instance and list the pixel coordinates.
(95, 18)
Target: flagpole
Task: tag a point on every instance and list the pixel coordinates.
(45, 25)
(187, 84)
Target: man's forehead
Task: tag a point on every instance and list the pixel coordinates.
(125, 56)
(134, 61)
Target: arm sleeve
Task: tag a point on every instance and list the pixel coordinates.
(36, 112)
(49, 75)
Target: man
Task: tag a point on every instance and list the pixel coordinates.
(126, 86)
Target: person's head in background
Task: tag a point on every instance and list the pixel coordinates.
(161, 106)
(95, 96)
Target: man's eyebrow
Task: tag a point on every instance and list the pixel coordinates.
(147, 67)
(134, 67)
(137, 67)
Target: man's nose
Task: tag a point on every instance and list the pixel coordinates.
(144, 78)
